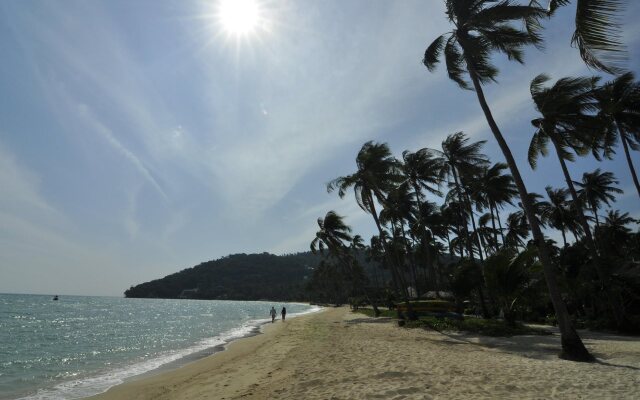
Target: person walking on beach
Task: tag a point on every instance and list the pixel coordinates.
(273, 314)
(284, 313)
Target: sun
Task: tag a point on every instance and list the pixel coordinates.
(239, 17)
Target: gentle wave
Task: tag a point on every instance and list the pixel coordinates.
(86, 387)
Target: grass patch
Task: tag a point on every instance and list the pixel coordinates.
(384, 313)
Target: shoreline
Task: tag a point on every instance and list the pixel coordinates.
(259, 335)
(342, 355)
(256, 327)
(101, 382)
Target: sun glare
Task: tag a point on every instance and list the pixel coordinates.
(239, 17)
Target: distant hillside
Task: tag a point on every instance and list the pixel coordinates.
(236, 277)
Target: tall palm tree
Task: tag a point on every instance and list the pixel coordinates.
(619, 104)
(459, 159)
(598, 32)
(568, 125)
(422, 172)
(480, 28)
(377, 174)
(596, 188)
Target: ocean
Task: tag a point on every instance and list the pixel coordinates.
(80, 346)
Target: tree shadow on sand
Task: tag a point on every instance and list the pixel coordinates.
(539, 347)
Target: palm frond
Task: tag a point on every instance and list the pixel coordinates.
(433, 52)
(598, 34)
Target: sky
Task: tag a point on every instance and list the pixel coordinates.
(141, 138)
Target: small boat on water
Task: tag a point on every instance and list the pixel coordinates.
(55, 297)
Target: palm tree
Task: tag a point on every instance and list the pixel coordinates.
(493, 189)
(596, 188)
(333, 235)
(508, 277)
(619, 104)
(517, 230)
(480, 28)
(378, 172)
(558, 213)
(566, 124)
(459, 159)
(618, 222)
(598, 32)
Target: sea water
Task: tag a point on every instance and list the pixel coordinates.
(80, 346)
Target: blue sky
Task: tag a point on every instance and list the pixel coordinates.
(138, 138)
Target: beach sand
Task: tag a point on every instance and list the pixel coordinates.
(336, 354)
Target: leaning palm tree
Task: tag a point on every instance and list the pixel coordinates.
(597, 32)
(480, 28)
(378, 173)
(597, 188)
(619, 104)
(332, 235)
(567, 123)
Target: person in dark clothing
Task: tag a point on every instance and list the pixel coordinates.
(283, 313)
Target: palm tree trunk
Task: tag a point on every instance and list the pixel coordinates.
(625, 146)
(412, 259)
(564, 238)
(572, 346)
(493, 224)
(594, 210)
(500, 225)
(465, 227)
(427, 249)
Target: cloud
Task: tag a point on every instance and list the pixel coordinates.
(96, 126)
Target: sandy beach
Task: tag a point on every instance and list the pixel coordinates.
(337, 354)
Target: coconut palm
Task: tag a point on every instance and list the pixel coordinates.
(480, 28)
(517, 230)
(597, 188)
(493, 189)
(458, 159)
(619, 104)
(559, 213)
(378, 172)
(333, 235)
(568, 125)
(597, 32)
(618, 222)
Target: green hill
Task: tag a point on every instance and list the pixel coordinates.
(236, 277)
